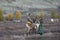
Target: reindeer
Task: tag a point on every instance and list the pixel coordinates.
(32, 27)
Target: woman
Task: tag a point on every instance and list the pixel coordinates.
(40, 29)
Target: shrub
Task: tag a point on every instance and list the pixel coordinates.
(41, 13)
(58, 15)
(10, 16)
(1, 15)
(52, 14)
(18, 15)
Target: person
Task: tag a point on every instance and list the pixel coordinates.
(37, 22)
(29, 18)
(33, 19)
(37, 19)
(40, 29)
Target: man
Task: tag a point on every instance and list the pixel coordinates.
(29, 19)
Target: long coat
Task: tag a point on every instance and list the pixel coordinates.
(40, 29)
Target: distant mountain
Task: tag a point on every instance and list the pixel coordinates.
(32, 3)
(25, 5)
